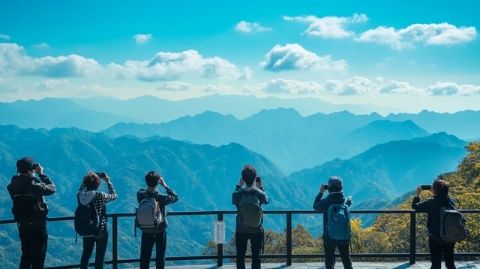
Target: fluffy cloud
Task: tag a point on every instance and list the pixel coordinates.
(290, 87)
(4, 37)
(329, 27)
(399, 87)
(295, 57)
(452, 88)
(42, 46)
(352, 86)
(250, 27)
(14, 60)
(142, 38)
(172, 65)
(419, 34)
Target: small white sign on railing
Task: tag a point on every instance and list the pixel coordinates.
(219, 232)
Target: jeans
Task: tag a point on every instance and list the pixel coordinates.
(436, 251)
(330, 255)
(89, 242)
(34, 245)
(148, 240)
(256, 242)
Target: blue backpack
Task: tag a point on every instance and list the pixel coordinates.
(338, 222)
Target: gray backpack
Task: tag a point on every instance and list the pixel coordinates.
(250, 211)
(452, 225)
(148, 214)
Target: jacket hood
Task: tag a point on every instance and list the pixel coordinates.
(85, 197)
(445, 200)
(337, 197)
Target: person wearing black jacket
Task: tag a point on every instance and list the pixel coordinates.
(243, 233)
(30, 210)
(157, 237)
(335, 196)
(432, 206)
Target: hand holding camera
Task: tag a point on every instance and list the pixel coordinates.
(103, 175)
(259, 183)
(38, 169)
(323, 188)
(162, 182)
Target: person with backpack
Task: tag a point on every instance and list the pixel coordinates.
(151, 219)
(249, 221)
(91, 217)
(336, 221)
(442, 233)
(30, 210)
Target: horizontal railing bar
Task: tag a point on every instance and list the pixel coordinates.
(271, 212)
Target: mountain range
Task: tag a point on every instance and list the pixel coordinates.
(291, 141)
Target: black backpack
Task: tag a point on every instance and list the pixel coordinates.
(28, 208)
(87, 221)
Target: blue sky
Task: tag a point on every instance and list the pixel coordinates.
(400, 54)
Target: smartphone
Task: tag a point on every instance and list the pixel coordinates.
(426, 187)
(101, 174)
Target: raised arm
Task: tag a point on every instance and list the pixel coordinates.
(170, 198)
(111, 195)
(44, 187)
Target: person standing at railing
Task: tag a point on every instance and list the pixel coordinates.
(88, 194)
(30, 210)
(249, 219)
(336, 221)
(152, 219)
(433, 208)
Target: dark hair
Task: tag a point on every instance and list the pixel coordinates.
(440, 187)
(25, 165)
(152, 178)
(91, 181)
(249, 174)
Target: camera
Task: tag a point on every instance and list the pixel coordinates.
(325, 187)
(426, 187)
(35, 166)
(101, 174)
(258, 179)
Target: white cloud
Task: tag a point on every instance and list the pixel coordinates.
(42, 45)
(452, 88)
(329, 27)
(351, 86)
(142, 38)
(250, 27)
(53, 84)
(399, 87)
(172, 65)
(175, 86)
(281, 86)
(4, 37)
(14, 60)
(419, 34)
(295, 57)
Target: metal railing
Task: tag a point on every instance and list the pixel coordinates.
(288, 256)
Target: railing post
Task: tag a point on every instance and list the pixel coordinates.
(220, 245)
(114, 242)
(289, 239)
(413, 237)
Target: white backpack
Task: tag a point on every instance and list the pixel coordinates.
(148, 214)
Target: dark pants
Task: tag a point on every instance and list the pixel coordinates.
(437, 250)
(256, 242)
(89, 242)
(330, 255)
(148, 240)
(34, 245)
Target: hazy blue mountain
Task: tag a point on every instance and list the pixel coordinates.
(155, 110)
(388, 170)
(463, 124)
(50, 113)
(203, 175)
(284, 136)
